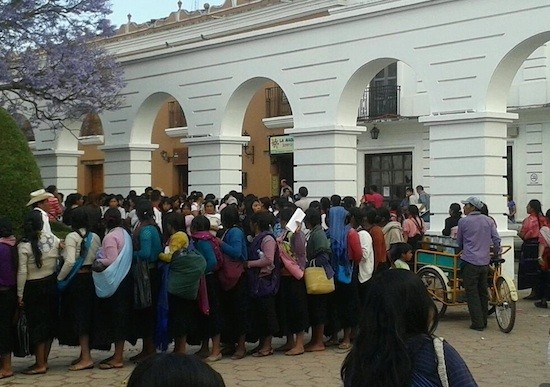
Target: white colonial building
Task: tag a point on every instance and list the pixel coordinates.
(456, 92)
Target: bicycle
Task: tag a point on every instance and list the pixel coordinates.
(440, 273)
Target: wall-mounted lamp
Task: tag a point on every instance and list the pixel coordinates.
(374, 133)
(248, 149)
(166, 157)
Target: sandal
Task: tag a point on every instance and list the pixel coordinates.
(33, 371)
(5, 376)
(109, 366)
(238, 356)
(263, 353)
(82, 368)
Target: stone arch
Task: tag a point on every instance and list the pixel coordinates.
(235, 110)
(507, 68)
(91, 125)
(142, 127)
(352, 92)
(25, 125)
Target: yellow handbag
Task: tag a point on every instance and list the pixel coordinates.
(317, 281)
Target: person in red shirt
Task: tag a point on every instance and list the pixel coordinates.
(372, 197)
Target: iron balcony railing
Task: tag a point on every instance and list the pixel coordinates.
(379, 101)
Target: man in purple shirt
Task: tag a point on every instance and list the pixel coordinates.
(476, 235)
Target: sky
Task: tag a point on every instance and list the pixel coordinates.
(144, 10)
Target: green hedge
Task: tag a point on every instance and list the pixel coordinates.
(19, 173)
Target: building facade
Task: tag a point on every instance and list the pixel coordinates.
(451, 95)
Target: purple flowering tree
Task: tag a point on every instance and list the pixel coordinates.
(52, 62)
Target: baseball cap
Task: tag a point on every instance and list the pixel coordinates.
(474, 201)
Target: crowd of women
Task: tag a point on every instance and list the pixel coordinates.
(202, 272)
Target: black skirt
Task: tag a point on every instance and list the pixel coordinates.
(234, 311)
(145, 319)
(210, 325)
(8, 306)
(113, 316)
(76, 309)
(41, 307)
(317, 306)
(528, 271)
(182, 316)
(347, 302)
(292, 308)
(263, 318)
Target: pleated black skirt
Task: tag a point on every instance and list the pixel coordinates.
(41, 307)
(76, 309)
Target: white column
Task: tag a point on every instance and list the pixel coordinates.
(127, 167)
(467, 158)
(325, 159)
(59, 168)
(215, 163)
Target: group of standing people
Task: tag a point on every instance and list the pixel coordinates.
(199, 272)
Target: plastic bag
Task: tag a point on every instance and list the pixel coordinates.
(21, 347)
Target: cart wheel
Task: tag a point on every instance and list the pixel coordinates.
(436, 287)
(505, 307)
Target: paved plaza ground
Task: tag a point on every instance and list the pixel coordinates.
(495, 358)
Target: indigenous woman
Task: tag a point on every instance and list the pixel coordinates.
(209, 247)
(395, 345)
(37, 288)
(113, 285)
(318, 249)
(212, 216)
(413, 227)
(292, 296)
(8, 295)
(147, 239)
(451, 223)
(262, 255)
(528, 265)
(233, 296)
(182, 311)
(78, 296)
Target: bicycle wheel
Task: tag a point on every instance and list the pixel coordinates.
(505, 307)
(436, 287)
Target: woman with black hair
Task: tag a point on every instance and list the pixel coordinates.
(451, 223)
(209, 325)
(212, 216)
(8, 295)
(318, 249)
(528, 276)
(77, 299)
(233, 297)
(263, 262)
(73, 201)
(413, 227)
(147, 239)
(112, 313)
(174, 370)
(395, 345)
(37, 288)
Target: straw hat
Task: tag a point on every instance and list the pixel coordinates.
(38, 196)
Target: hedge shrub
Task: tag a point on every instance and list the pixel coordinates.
(19, 173)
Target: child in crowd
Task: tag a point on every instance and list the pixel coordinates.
(401, 254)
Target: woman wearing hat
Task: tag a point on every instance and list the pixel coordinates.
(37, 288)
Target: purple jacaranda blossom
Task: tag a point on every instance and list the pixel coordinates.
(53, 65)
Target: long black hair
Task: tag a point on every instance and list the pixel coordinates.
(174, 370)
(397, 309)
(79, 220)
(32, 226)
(230, 217)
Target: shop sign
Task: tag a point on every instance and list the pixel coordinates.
(281, 144)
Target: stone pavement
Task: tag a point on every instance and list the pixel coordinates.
(495, 359)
